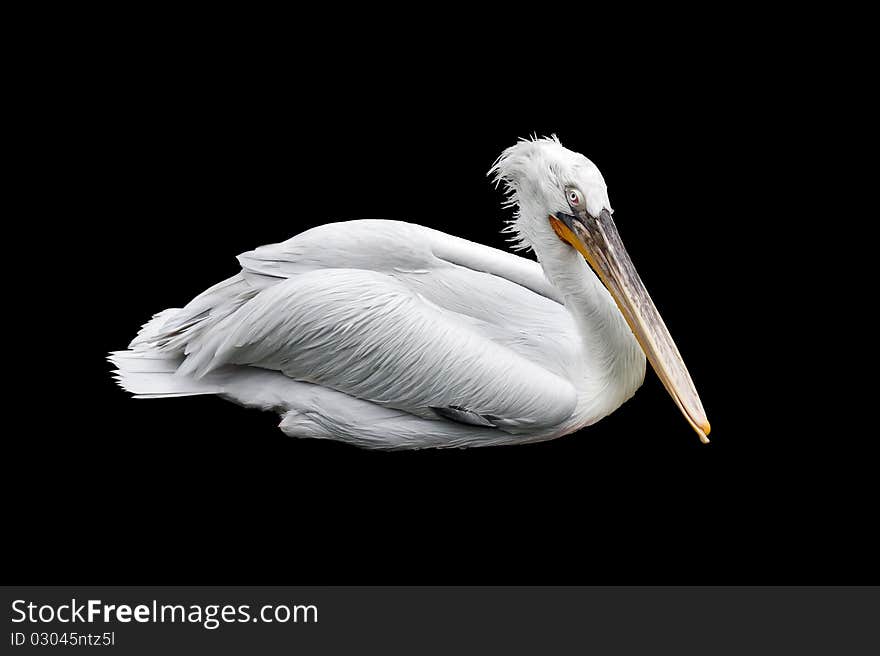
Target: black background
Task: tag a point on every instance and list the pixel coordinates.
(162, 158)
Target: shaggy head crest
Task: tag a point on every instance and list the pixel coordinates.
(534, 174)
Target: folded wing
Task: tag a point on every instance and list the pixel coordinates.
(395, 314)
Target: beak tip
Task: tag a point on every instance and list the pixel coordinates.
(703, 431)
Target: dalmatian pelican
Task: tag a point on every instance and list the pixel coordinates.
(391, 335)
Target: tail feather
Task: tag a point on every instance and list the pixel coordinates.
(150, 374)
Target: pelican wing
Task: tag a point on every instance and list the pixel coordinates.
(392, 313)
(505, 297)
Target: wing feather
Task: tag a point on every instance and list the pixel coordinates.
(505, 297)
(368, 335)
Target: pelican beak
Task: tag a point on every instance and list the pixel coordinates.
(598, 241)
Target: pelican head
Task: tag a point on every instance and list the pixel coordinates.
(561, 198)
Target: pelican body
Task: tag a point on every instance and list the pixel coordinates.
(391, 335)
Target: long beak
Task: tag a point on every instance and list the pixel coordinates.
(598, 241)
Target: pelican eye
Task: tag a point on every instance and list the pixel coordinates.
(574, 197)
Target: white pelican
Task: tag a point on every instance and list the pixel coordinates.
(391, 335)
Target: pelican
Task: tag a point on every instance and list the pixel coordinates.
(391, 335)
